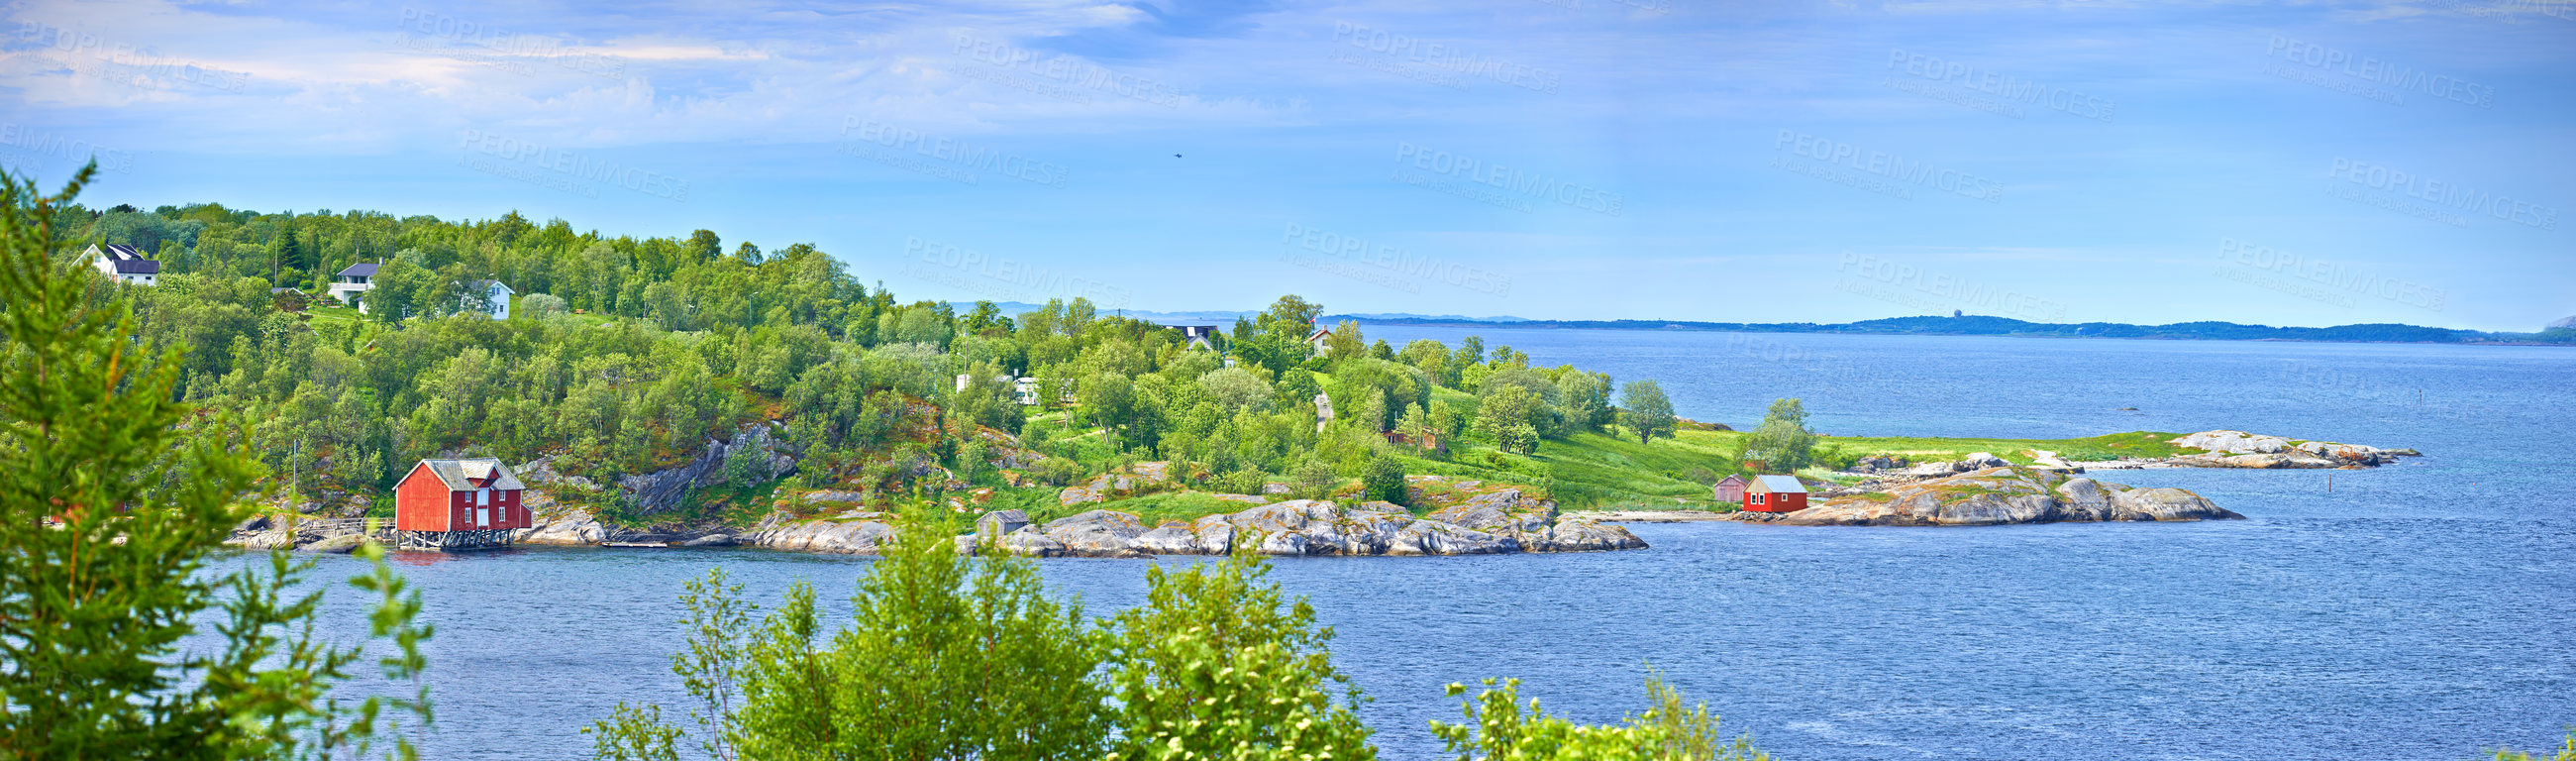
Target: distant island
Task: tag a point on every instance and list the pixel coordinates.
(2561, 332)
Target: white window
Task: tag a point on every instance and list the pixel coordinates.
(483, 497)
(482, 516)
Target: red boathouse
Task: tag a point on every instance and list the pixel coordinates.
(458, 505)
(1775, 494)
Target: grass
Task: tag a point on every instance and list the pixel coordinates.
(1154, 509)
(1924, 448)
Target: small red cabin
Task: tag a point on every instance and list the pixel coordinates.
(478, 495)
(1728, 489)
(1775, 494)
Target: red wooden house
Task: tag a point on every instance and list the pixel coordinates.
(1775, 494)
(458, 504)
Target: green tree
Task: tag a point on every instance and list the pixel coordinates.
(1500, 727)
(945, 657)
(1645, 411)
(1217, 665)
(109, 509)
(1782, 441)
(1383, 481)
(1504, 413)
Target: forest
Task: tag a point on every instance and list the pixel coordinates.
(624, 355)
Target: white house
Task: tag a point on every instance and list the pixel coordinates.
(125, 264)
(1321, 339)
(1195, 336)
(1023, 390)
(499, 295)
(352, 284)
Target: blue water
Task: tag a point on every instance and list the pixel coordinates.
(2421, 611)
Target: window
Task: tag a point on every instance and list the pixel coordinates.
(483, 497)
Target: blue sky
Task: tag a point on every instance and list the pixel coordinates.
(2308, 164)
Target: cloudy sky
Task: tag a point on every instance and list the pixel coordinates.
(2312, 163)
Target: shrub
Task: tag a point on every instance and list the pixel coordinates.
(1384, 481)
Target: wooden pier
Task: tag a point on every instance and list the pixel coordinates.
(452, 541)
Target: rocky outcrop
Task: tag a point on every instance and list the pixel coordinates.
(853, 534)
(1134, 480)
(1496, 522)
(1998, 496)
(663, 490)
(2238, 449)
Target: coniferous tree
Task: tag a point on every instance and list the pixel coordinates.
(112, 497)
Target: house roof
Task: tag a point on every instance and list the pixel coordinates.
(1319, 333)
(491, 284)
(1780, 484)
(467, 475)
(137, 267)
(361, 269)
(1731, 477)
(118, 252)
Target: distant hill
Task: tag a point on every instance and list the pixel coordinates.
(1980, 325)
(2560, 332)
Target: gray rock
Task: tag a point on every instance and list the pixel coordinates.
(2084, 499)
(272, 539)
(663, 490)
(1216, 534)
(1096, 533)
(1171, 538)
(1586, 536)
(855, 537)
(1994, 510)
(1504, 510)
(2169, 505)
(338, 545)
(710, 540)
(253, 523)
(1426, 537)
(1028, 542)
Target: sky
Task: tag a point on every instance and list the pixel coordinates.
(2309, 163)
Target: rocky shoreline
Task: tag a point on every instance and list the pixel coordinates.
(1996, 496)
(1466, 518)
(1291, 528)
(2216, 449)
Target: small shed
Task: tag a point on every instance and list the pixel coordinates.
(458, 505)
(1775, 494)
(1729, 489)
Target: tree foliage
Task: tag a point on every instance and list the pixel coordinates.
(116, 494)
(1645, 411)
(1501, 727)
(1782, 441)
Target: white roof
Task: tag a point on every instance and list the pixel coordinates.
(1781, 484)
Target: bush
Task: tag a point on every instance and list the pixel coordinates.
(1384, 481)
(1499, 727)
(1244, 481)
(1315, 480)
(949, 657)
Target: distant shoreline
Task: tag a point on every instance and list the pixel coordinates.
(1975, 325)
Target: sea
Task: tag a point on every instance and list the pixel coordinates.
(2425, 610)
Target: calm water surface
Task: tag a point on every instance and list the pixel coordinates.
(2421, 611)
